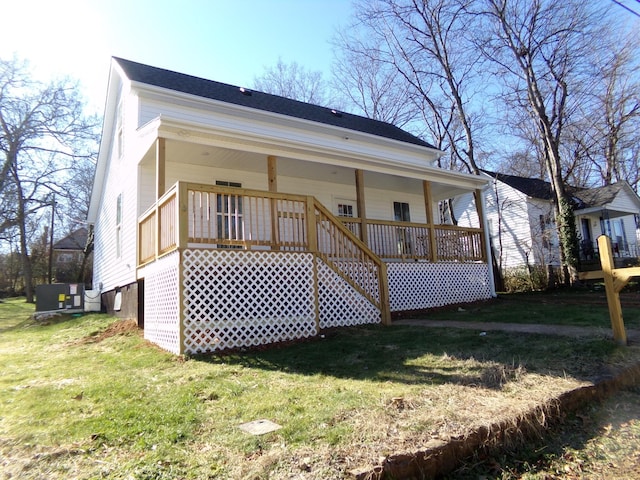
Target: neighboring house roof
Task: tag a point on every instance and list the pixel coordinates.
(584, 199)
(180, 82)
(532, 187)
(599, 196)
(76, 240)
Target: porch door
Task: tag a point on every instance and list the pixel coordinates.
(229, 214)
(401, 214)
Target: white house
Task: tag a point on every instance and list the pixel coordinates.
(226, 217)
(521, 224)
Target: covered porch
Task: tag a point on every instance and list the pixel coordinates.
(276, 247)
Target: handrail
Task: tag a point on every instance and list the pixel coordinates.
(349, 257)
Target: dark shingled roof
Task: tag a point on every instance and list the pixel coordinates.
(582, 197)
(263, 101)
(76, 240)
(532, 187)
(599, 196)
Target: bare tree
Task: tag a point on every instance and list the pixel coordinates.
(369, 85)
(293, 81)
(427, 43)
(541, 49)
(616, 113)
(43, 134)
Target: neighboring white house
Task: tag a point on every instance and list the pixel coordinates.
(226, 217)
(521, 224)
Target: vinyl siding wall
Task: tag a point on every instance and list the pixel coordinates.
(121, 179)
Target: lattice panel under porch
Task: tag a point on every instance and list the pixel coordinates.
(161, 302)
(237, 298)
(415, 286)
(340, 304)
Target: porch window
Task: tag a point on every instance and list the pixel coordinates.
(229, 213)
(345, 210)
(401, 214)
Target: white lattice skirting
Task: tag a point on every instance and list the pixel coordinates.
(161, 302)
(416, 286)
(238, 298)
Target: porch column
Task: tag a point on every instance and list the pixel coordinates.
(272, 172)
(477, 195)
(272, 176)
(161, 151)
(360, 205)
(160, 189)
(428, 205)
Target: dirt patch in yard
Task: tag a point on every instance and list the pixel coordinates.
(120, 327)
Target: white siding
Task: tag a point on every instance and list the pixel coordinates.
(510, 213)
(121, 178)
(625, 202)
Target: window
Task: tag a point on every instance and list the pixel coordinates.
(65, 258)
(345, 210)
(545, 220)
(401, 214)
(119, 131)
(229, 213)
(119, 226)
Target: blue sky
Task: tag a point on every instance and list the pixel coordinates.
(230, 41)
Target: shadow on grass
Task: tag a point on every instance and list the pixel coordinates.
(415, 355)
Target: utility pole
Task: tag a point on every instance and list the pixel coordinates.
(53, 212)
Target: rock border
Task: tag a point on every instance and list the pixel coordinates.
(440, 458)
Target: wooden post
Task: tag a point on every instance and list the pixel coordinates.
(480, 210)
(360, 205)
(428, 205)
(182, 205)
(385, 306)
(160, 186)
(613, 297)
(161, 152)
(272, 174)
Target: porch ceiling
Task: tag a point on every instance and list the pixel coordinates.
(227, 158)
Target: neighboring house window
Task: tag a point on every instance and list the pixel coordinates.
(545, 221)
(615, 230)
(119, 226)
(401, 214)
(65, 257)
(229, 213)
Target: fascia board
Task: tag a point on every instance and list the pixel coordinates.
(270, 118)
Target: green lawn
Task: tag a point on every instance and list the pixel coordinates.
(578, 308)
(76, 403)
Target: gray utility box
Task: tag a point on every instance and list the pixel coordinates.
(59, 296)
